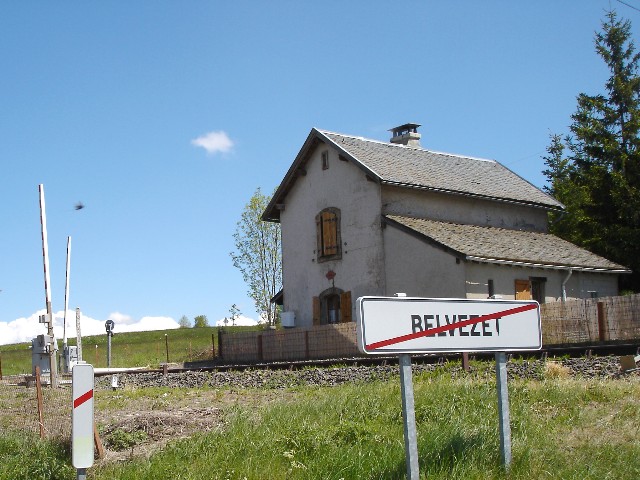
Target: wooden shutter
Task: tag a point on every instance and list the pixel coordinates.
(316, 310)
(329, 234)
(345, 307)
(523, 290)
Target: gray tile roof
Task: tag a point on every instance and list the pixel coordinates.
(496, 245)
(419, 168)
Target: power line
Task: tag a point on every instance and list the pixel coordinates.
(630, 6)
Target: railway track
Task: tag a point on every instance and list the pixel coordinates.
(217, 365)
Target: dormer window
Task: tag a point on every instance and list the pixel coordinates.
(328, 234)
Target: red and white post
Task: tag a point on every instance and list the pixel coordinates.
(82, 446)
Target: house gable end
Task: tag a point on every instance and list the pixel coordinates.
(298, 167)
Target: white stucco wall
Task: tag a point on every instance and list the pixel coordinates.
(581, 283)
(460, 209)
(360, 270)
(420, 270)
(504, 277)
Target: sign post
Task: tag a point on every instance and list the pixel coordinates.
(503, 408)
(82, 418)
(409, 418)
(405, 325)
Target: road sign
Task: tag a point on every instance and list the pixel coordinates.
(82, 417)
(395, 325)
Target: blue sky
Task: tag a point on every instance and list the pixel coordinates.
(163, 118)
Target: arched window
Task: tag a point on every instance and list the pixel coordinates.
(333, 305)
(328, 234)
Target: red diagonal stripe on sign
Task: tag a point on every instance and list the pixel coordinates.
(444, 328)
(83, 398)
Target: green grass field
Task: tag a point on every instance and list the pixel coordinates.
(132, 349)
(562, 428)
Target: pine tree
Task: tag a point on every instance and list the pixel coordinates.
(599, 179)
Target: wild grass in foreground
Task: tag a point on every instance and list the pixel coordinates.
(24, 458)
(561, 428)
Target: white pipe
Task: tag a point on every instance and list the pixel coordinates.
(564, 285)
(66, 294)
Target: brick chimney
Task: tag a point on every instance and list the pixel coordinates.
(406, 134)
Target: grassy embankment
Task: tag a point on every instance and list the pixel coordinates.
(562, 428)
(131, 349)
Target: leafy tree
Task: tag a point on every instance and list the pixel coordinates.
(599, 179)
(258, 256)
(234, 313)
(200, 321)
(184, 322)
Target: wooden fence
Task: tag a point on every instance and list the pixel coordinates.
(296, 344)
(591, 321)
(587, 321)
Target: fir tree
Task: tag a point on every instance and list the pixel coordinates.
(599, 179)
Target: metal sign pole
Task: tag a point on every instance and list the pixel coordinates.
(503, 408)
(81, 474)
(409, 418)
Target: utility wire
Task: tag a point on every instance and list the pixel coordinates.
(630, 6)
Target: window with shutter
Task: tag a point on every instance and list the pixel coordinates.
(523, 290)
(345, 307)
(328, 234)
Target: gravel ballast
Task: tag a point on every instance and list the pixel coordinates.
(593, 367)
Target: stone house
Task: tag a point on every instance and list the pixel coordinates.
(365, 217)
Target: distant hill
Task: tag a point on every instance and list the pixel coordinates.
(130, 349)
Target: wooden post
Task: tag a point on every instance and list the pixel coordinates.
(166, 343)
(0, 366)
(465, 361)
(220, 354)
(97, 441)
(40, 401)
(603, 331)
(260, 356)
(213, 347)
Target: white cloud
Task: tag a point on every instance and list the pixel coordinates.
(24, 329)
(214, 142)
(241, 321)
